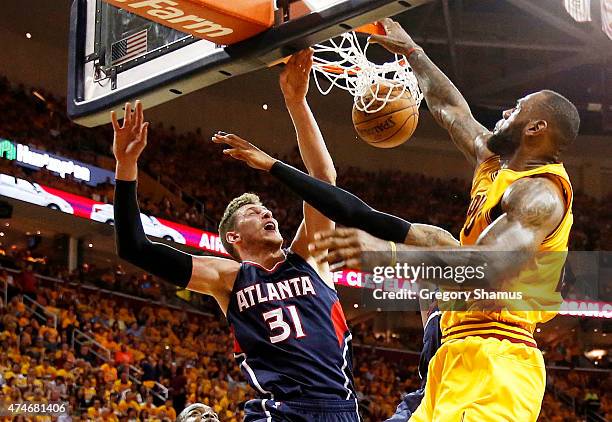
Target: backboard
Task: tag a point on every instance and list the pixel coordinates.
(116, 55)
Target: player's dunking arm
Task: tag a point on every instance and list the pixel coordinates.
(208, 275)
(532, 209)
(294, 85)
(444, 100)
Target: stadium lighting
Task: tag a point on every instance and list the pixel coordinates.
(265, 106)
(320, 4)
(355, 305)
(595, 354)
(39, 96)
(1, 234)
(28, 35)
(90, 245)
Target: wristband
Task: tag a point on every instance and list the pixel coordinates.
(393, 254)
(411, 51)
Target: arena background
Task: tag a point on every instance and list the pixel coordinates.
(498, 51)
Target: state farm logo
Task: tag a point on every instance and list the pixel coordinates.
(164, 10)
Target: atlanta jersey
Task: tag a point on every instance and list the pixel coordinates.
(291, 337)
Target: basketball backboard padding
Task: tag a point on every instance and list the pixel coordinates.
(189, 64)
(220, 21)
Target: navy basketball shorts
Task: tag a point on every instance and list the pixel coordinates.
(264, 410)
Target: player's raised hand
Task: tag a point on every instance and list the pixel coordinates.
(130, 136)
(295, 77)
(244, 151)
(396, 41)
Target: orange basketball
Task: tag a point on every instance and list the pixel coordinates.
(391, 126)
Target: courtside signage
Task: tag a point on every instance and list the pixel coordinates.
(211, 242)
(221, 22)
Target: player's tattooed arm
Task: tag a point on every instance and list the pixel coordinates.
(532, 209)
(447, 105)
(427, 235)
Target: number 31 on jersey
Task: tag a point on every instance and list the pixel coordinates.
(280, 328)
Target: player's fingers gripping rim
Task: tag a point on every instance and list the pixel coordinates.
(305, 60)
(308, 60)
(389, 25)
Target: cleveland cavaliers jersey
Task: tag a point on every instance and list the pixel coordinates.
(291, 337)
(540, 279)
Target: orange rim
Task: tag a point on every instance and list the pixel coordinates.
(372, 28)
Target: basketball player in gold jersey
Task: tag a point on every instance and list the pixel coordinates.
(488, 367)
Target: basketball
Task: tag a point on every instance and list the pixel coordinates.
(391, 126)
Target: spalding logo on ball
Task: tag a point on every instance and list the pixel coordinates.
(391, 125)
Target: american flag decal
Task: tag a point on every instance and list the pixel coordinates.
(129, 48)
(580, 10)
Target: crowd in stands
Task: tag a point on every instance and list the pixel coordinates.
(173, 156)
(187, 353)
(190, 354)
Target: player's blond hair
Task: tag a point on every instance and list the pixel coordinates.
(228, 221)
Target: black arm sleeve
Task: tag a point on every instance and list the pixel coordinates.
(341, 206)
(134, 246)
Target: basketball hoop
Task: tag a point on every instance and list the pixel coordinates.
(343, 63)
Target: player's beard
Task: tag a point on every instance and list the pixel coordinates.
(503, 142)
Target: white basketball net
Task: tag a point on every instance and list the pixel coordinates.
(353, 72)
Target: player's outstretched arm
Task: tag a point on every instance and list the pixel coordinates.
(203, 274)
(444, 100)
(294, 81)
(532, 209)
(336, 203)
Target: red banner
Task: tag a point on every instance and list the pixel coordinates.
(210, 242)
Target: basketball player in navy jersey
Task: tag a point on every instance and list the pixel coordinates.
(291, 338)
(347, 209)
